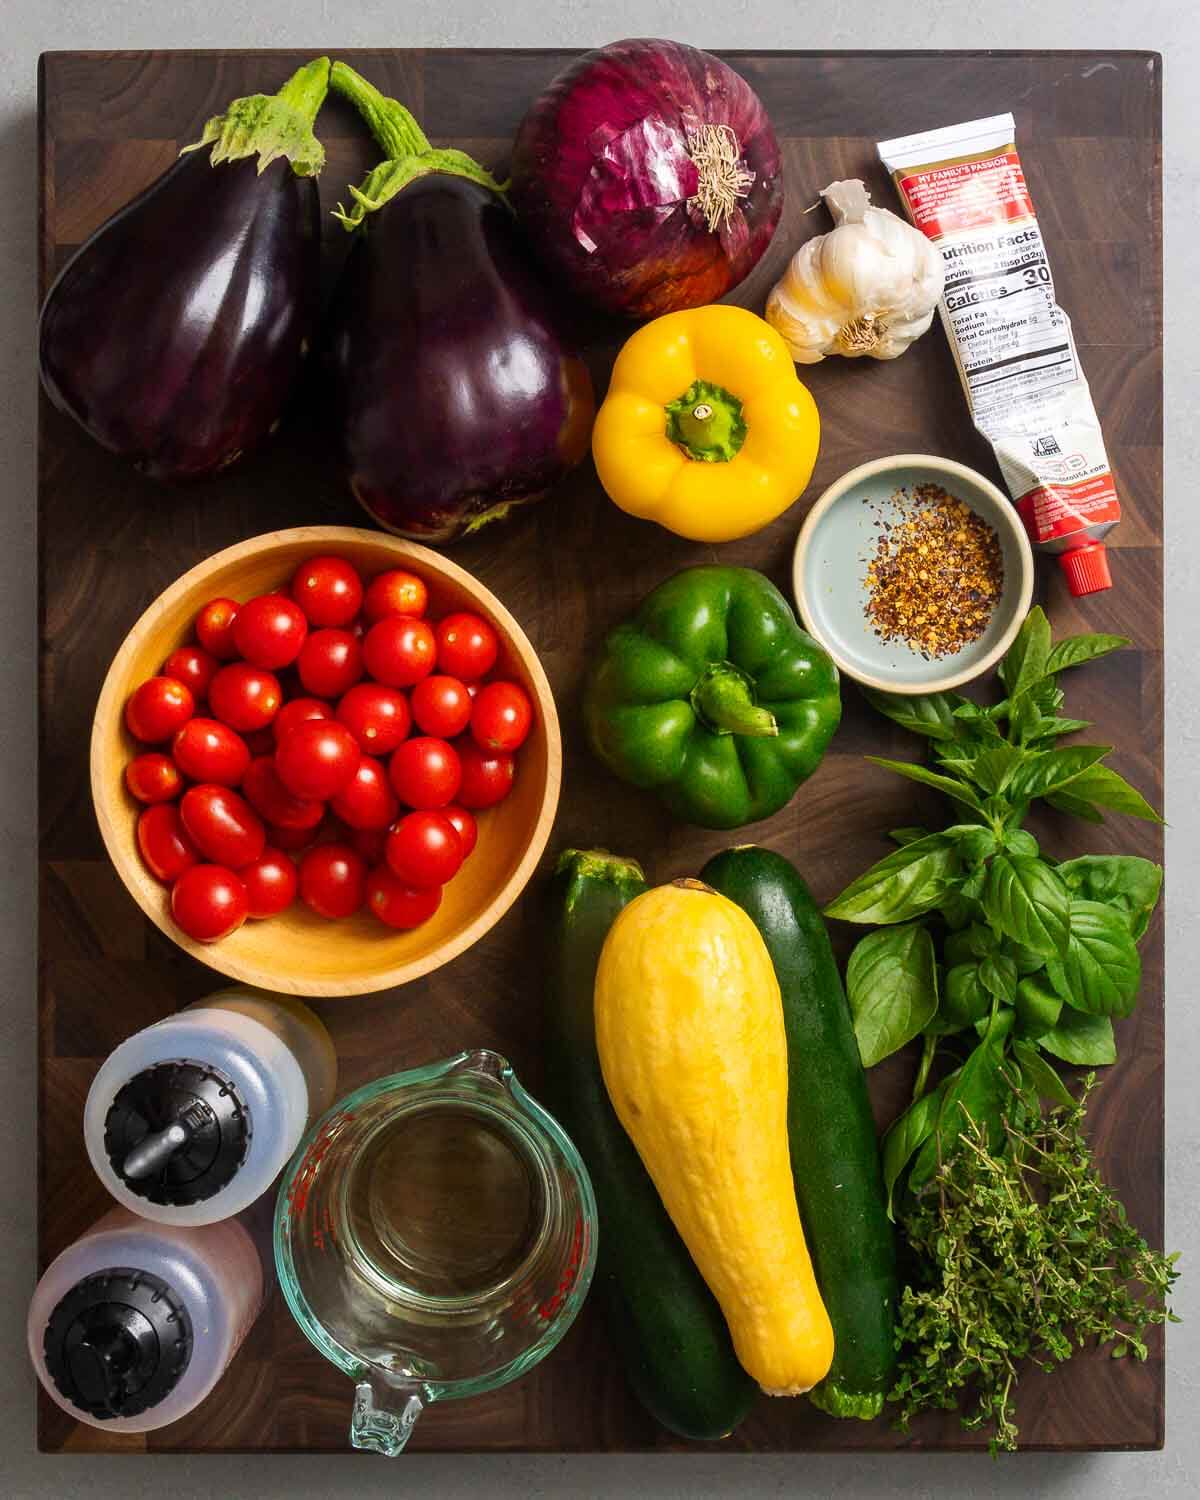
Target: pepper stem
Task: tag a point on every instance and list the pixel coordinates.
(706, 422)
(724, 701)
(405, 145)
(272, 125)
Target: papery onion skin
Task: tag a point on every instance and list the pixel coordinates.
(602, 175)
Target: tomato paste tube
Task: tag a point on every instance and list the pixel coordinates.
(964, 188)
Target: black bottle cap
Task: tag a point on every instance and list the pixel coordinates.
(118, 1343)
(177, 1133)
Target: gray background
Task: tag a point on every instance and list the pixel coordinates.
(28, 27)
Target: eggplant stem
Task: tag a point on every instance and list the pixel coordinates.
(272, 125)
(396, 131)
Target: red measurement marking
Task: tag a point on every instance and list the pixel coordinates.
(569, 1276)
(301, 1184)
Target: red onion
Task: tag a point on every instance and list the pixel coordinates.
(648, 176)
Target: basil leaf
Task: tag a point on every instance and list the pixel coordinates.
(944, 784)
(904, 836)
(1087, 1041)
(1047, 770)
(972, 886)
(1078, 807)
(1037, 1071)
(980, 1090)
(1024, 663)
(904, 884)
(906, 1135)
(1019, 842)
(891, 984)
(975, 843)
(1027, 960)
(1123, 881)
(1028, 902)
(956, 910)
(1100, 971)
(994, 768)
(930, 714)
(1102, 786)
(1054, 728)
(998, 976)
(1074, 650)
(980, 722)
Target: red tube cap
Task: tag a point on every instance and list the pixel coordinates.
(1086, 569)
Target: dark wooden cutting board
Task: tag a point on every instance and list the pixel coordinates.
(1088, 129)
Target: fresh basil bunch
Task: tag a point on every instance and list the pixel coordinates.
(1036, 956)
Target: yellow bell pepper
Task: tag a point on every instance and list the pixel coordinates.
(705, 428)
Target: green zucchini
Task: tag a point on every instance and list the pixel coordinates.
(834, 1148)
(665, 1322)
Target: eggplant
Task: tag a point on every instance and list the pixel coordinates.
(458, 395)
(175, 334)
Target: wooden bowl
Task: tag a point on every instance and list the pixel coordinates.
(298, 952)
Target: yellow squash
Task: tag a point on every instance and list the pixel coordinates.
(689, 1027)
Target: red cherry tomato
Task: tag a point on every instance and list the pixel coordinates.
(291, 839)
(214, 628)
(270, 630)
(397, 904)
(370, 843)
(333, 880)
(207, 750)
(295, 712)
(193, 666)
(441, 705)
(331, 663)
(487, 775)
(328, 590)
(425, 773)
(222, 825)
(271, 883)
(317, 758)
(367, 801)
(157, 708)
(399, 651)
(464, 824)
(466, 646)
(424, 849)
(268, 796)
(209, 902)
(244, 696)
(378, 717)
(396, 592)
(153, 778)
(501, 716)
(165, 847)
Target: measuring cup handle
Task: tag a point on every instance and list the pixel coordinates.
(377, 1427)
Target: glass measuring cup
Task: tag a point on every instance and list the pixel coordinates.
(435, 1236)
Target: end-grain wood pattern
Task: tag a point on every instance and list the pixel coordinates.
(1088, 128)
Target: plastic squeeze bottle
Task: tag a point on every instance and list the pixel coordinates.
(134, 1323)
(192, 1119)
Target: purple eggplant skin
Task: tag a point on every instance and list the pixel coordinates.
(458, 396)
(175, 334)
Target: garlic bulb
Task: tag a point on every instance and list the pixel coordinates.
(869, 286)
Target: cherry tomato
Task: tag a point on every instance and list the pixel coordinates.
(399, 651)
(222, 825)
(331, 663)
(165, 847)
(370, 843)
(153, 777)
(270, 630)
(328, 590)
(442, 706)
(501, 716)
(464, 824)
(193, 666)
(292, 839)
(317, 758)
(207, 750)
(424, 849)
(367, 801)
(244, 696)
(295, 712)
(396, 592)
(425, 773)
(214, 628)
(271, 883)
(268, 796)
(333, 880)
(157, 708)
(466, 646)
(378, 717)
(209, 902)
(487, 775)
(397, 904)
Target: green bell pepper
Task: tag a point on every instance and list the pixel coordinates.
(713, 695)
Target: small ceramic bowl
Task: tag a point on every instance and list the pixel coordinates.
(298, 952)
(830, 565)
